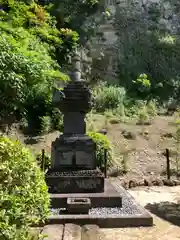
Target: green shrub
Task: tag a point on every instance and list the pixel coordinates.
(26, 72)
(141, 109)
(30, 15)
(108, 97)
(45, 124)
(24, 198)
(120, 111)
(152, 108)
(57, 119)
(143, 117)
(142, 83)
(102, 144)
(29, 41)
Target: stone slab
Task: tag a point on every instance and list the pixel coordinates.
(130, 214)
(109, 198)
(53, 232)
(72, 232)
(109, 221)
(86, 181)
(78, 126)
(90, 232)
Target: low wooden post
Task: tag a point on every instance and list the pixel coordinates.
(168, 171)
(105, 163)
(43, 159)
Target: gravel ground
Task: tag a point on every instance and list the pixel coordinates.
(129, 206)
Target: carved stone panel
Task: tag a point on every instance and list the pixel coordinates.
(84, 158)
(81, 183)
(66, 158)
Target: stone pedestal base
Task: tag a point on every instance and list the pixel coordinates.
(73, 152)
(109, 198)
(82, 181)
(107, 209)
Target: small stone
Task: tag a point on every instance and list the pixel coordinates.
(103, 131)
(168, 135)
(141, 183)
(157, 182)
(146, 132)
(114, 121)
(132, 184)
(176, 182)
(169, 183)
(147, 182)
(128, 135)
(125, 184)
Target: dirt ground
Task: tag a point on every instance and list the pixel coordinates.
(144, 160)
(143, 153)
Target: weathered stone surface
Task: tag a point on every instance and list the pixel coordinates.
(132, 184)
(74, 151)
(90, 232)
(157, 182)
(78, 126)
(53, 232)
(168, 182)
(65, 147)
(75, 181)
(72, 232)
(110, 197)
(77, 98)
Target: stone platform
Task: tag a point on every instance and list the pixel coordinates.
(130, 214)
(109, 198)
(80, 181)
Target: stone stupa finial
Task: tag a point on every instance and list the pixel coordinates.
(75, 75)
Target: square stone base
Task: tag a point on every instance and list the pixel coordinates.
(127, 214)
(109, 198)
(80, 181)
(73, 152)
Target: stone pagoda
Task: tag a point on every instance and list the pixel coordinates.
(73, 158)
(78, 191)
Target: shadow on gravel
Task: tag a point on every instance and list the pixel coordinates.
(168, 211)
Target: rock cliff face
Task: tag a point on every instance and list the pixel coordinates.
(131, 22)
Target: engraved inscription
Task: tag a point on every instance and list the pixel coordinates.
(87, 184)
(64, 184)
(82, 184)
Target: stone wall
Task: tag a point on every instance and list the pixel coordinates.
(129, 20)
